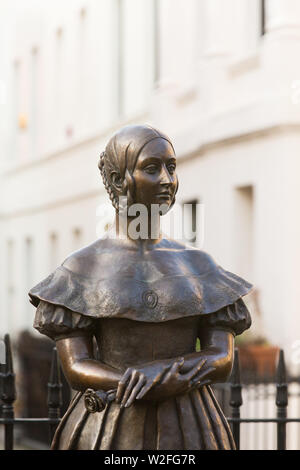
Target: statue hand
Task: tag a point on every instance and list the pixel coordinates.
(202, 376)
(136, 379)
(176, 383)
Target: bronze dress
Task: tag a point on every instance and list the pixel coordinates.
(133, 308)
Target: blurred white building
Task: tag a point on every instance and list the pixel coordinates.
(221, 78)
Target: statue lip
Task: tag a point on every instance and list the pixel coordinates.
(164, 193)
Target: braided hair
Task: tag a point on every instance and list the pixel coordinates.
(112, 195)
(128, 184)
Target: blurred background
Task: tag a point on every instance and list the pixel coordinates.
(222, 79)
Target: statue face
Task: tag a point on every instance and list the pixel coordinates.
(155, 174)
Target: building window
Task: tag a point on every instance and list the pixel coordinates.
(137, 53)
(120, 57)
(34, 100)
(82, 13)
(82, 71)
(15, 106)
(263, 17)
(244, 230)
(58, 83)
(10, 270)
(53, 251)
(77, 238)
(156, 42)
(190, 221)
(28, 273)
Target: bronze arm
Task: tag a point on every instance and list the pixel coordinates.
(81, 370)
(217, 347)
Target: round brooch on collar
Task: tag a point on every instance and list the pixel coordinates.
(150, 298)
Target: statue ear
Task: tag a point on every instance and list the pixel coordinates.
(116, 181)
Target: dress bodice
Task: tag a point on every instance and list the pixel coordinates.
(123, 343)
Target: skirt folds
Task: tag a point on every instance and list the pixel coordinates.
(193, 421)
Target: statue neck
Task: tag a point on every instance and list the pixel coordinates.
(138, 229)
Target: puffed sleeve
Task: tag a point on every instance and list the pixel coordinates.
(58, 322)
(234, 317)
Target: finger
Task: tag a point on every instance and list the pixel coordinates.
(133, 380)
(166, 370)
(145, 389)
(203, 375)
(159, 378)
(122, 385)
(135, 390)
(200, 384)
(174, 370)
(193, 372)
(148, 385)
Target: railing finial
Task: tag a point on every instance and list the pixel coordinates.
(281, 369)
(54, 372)
(281, 401)
(236, 400)
(8, 395)
(8, 389)
(54, 393)
(8, 355)
(235, 375)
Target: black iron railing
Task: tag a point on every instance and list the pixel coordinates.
(281, 403)
(8, 397)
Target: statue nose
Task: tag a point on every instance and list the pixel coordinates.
(165, 177)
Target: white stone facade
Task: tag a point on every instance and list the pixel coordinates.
(201, 71)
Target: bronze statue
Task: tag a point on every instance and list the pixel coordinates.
(145, 301)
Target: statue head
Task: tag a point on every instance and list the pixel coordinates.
(139, 163)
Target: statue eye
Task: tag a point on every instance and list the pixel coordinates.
(171, 168)
(151, 169)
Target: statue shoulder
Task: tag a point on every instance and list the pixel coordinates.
(85, 258)
(194, 256)
(202, 262)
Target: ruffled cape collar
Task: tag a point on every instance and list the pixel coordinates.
(158, 287)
